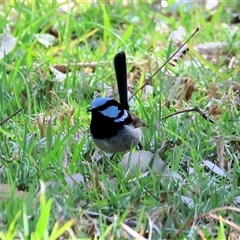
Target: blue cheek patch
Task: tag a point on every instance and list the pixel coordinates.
(123, 117)
(111, 112)
(97, 102)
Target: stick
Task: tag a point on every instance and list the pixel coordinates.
(195, 109)
(15, 113)
(149, 79)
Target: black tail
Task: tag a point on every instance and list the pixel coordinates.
(121, 75)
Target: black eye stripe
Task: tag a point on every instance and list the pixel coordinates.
(120, 114)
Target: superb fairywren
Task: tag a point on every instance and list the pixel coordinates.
(113, 128)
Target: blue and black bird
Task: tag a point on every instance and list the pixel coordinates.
(113, 127)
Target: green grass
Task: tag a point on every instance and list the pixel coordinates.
(55, 107)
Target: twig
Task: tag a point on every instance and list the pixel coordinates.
(150, 78)
(156, 198)
(195, 109)
(191, 221)
(15, 113)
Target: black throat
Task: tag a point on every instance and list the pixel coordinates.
(102, 127)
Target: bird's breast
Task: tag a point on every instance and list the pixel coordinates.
(126, 137)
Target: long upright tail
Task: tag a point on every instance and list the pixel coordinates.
(121, 75)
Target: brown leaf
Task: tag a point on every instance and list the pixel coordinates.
(189, 88)
(40, 124)
(213, 110)
(212, 91)
(167, 103)
(86, 225)
(61, 68)
(67, 113)
(53, 31)
(220, 151)
(134, 74)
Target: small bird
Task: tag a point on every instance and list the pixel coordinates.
(113, 127)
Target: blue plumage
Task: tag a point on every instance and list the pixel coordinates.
(123, 117)
(111, 112)
(97, 102)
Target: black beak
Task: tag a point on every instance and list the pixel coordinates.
(89, 109)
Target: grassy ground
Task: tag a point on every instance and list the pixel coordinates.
(61, 61)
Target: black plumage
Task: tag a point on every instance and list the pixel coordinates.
(113, 128)
(121, 75)
(105, 127)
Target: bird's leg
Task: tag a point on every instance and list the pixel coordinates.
(140, 146)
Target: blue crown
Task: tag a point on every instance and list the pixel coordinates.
(97, 102)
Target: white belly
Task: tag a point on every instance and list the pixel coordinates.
(126, 138)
